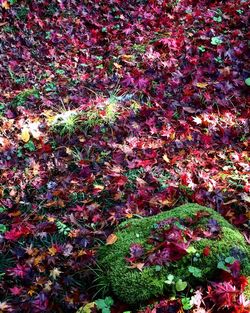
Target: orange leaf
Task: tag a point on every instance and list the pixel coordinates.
(6, 5)
(111, 239)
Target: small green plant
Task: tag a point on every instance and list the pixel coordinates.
(2, 209)
(223, 263)
(3, 228)
(186, 303)
(218, 60)
(6, 261)
(93, 118)
(132, 175)
(217, 19)
(22, 13)
(100, 282)
(215, 41)
(63, 228)
(240, 11)
(162, 177)
(202, 48)
(23, 96)
(218, 16)
(195, 271)
(16, 79)
(2, 109)
(104, 304)
(247, 81)
(139, 48)
(67, 122)
(49, 87)
(177, 284)
(30, 146)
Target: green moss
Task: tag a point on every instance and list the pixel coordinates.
(247, 289)
(133, 286)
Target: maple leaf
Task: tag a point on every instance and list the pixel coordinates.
(55, 272)
(197, 299)
(19, 271)
(202, 85)
(197, 120)
(222, 294)
(16, 291)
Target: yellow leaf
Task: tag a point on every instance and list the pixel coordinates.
(129, 215)
(201, 85)
(111, 239)
(52, 251)
(31, 292)
(127, 56)
(25, 135)
(165, 158)
(87, 308)
(116, 65)
(172, 136)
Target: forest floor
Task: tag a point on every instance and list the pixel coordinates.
(111, 110)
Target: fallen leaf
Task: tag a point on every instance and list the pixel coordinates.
(165, 158)
(202, 85)
(25, 135)
(111, 239)
(197, 120)
(6, 5)
(139, 266)
(189, 109)
(87, 308)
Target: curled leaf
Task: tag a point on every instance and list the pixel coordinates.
(111, 239)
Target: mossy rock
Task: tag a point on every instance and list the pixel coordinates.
(133, 286)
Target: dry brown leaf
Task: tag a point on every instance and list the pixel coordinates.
(139, 266)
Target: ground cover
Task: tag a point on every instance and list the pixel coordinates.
(109, 111)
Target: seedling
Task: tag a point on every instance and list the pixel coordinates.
(3, 228)
(62, 228)
(218, 59)
(105, 304)
(202, 48)
(223, 264)
(247, 81)
(177, 284)
(240, 11)
(67, 122)
(195, 271)
(216, 41)
(186, 303)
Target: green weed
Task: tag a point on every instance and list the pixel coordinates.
(23, 96)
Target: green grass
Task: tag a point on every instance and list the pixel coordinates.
(22, 97)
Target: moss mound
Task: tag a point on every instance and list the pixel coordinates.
(134, 286)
